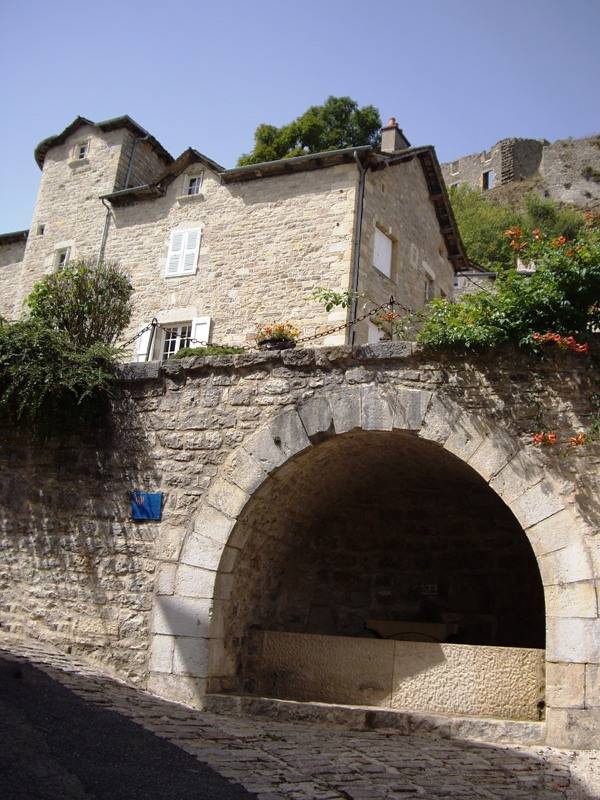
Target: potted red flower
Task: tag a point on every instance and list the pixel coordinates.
(277, 336)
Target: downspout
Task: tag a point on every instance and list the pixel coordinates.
(105, 231)
(358, 216)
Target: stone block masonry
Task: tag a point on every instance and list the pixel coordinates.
(150, 601)
(567, 170)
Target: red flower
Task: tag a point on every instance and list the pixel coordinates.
(544, 438)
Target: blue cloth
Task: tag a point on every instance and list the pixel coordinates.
(146, 505)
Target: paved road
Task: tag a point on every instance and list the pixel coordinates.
(82, 750)
(55, 745)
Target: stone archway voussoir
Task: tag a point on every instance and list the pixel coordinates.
(377, 413)
(576, 599)
(282, 438)
(520, 474)
(536, 504)
(316, 415)
(439, 420)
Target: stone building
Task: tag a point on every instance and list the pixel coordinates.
(567, 170)
(368, 526)
(214, 252)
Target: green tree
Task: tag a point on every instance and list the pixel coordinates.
(89, 302)
(57, 367)
(336, 124)
(47, 383)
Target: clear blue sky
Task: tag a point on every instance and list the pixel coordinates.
(459, 75)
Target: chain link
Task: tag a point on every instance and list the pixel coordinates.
(392, 304)
(141, 332)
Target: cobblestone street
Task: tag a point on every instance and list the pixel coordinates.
(302, 762)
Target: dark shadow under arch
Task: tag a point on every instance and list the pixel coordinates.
(382, 535)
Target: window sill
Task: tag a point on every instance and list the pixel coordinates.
(180, 275)
(382, 273)
(190, 198)
(78, 162)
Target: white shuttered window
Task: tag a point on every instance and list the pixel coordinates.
(382, 253)
(183, 252)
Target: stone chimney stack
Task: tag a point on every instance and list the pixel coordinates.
(392, 138)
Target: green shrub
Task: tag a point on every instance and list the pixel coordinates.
(482, 221)
(560, 296)
(90, 302)
(209, 350)
(548, 216)
(50, 385)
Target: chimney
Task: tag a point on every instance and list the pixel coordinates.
(392, 138)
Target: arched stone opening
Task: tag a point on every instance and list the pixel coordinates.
(377, 567)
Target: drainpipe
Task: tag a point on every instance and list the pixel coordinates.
(358, 215)
(105, 231)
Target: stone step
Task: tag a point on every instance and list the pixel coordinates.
(403, 722)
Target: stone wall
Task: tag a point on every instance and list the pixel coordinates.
(146, 164)
(570, 170)
(502, 682)
(150, 601)
(468, 169)
(469, 282)
(397, 201)
(68, 203)
(265, 245)
(11, 256)
(567, 170)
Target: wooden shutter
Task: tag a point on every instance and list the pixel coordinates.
(190, 250)
(200, 331)
(142, 345)
(175, 256)
(382, 253)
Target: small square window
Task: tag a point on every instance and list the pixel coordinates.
(486, 155)
(82, 151)
(61, 258)
(454, 168)
(40, 229)
(194, 183)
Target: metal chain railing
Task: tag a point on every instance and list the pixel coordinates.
(392, 304)
(141, 332)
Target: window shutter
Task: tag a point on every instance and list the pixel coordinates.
(374, 335)
(142, 345)
(200, 331)
(175, 253)
(382, 253)
(190, 253)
